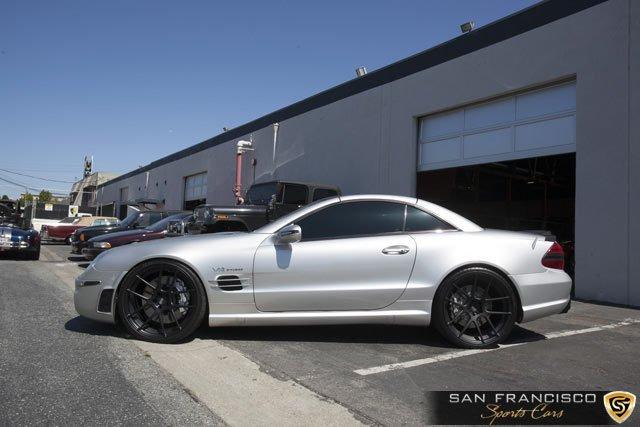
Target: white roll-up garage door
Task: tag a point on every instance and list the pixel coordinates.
(531, 124)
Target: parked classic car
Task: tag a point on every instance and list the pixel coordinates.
(63, 230)
(135, 220)
(159, 230)
(352, 259)
(15, 240)
(265, 202)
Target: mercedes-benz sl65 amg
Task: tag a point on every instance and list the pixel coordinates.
(344, 260)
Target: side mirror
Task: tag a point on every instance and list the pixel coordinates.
(290, 234)
(176, 228)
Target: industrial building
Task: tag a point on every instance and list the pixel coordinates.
(529, 123)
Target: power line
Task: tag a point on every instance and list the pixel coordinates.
(37, 177)
(17, 184)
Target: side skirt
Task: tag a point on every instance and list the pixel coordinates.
(392, 317)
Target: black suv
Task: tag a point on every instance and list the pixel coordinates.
(265, 202)
(134, 220)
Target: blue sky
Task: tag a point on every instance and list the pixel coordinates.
(132, 81)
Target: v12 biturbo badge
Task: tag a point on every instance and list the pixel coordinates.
(619, 405)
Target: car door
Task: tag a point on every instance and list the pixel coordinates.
(352, 256)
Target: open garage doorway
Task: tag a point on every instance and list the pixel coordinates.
(528, 194)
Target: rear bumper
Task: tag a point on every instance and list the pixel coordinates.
(543, 294)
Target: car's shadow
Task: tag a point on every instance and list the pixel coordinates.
(80, 260)
(12, 256)
(91, 327)
(348, 334)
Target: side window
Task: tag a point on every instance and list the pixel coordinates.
(295, 194)
(419, 220)
(353, 219)
(323, 193)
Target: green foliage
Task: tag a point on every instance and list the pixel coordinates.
(45, 196)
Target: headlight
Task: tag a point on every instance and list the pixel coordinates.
(102, 245)
(82, 237)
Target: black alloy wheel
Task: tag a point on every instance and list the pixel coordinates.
(161, 301)
(475, 308)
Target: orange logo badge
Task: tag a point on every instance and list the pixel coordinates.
(619, 405)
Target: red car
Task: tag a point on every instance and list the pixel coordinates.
(158, 230)
(63, 230)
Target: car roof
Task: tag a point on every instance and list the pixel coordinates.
(443, 213)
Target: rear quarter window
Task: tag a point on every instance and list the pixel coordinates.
(419, 220)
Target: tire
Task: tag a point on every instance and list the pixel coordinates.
(475, 308)
(34, 255)
(67, 241)
(161, 301)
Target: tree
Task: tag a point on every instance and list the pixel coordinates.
(45, 196)
(26, 197)
(5, 197)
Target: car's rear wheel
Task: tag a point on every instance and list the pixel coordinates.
(161, 301)
(475, 308)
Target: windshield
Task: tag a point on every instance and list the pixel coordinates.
(260, 194)
(130, 219)
(68, 220)
(289, 218)
(163, 224)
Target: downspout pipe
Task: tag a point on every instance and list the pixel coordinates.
(241, 147)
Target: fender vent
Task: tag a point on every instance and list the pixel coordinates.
(104, 303)
(229, 283)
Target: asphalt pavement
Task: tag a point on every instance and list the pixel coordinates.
(53, 372)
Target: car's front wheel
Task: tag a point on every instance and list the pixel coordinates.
(475, 308)
(161, 301)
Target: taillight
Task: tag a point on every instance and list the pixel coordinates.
(554, 258)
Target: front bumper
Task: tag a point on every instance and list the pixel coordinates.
(91, 253)
(89, 287)
(543, 294)
(14, 246)
(77, 246)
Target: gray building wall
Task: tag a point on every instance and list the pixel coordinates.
(368, 142)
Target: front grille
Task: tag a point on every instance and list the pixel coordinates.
(104, 304)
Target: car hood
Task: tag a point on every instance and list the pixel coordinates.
(97, 230)
(117, 234)
(191, 249)
(14, 231)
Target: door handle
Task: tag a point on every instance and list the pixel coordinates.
(395, 250)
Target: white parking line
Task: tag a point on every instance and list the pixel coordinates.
(463, 353)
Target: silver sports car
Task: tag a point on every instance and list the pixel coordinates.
(350, 259)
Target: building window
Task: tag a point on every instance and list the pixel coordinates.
(195, 190)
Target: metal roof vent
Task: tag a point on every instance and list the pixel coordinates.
(361, 71)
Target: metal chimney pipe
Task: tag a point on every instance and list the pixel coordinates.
(241, 147)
